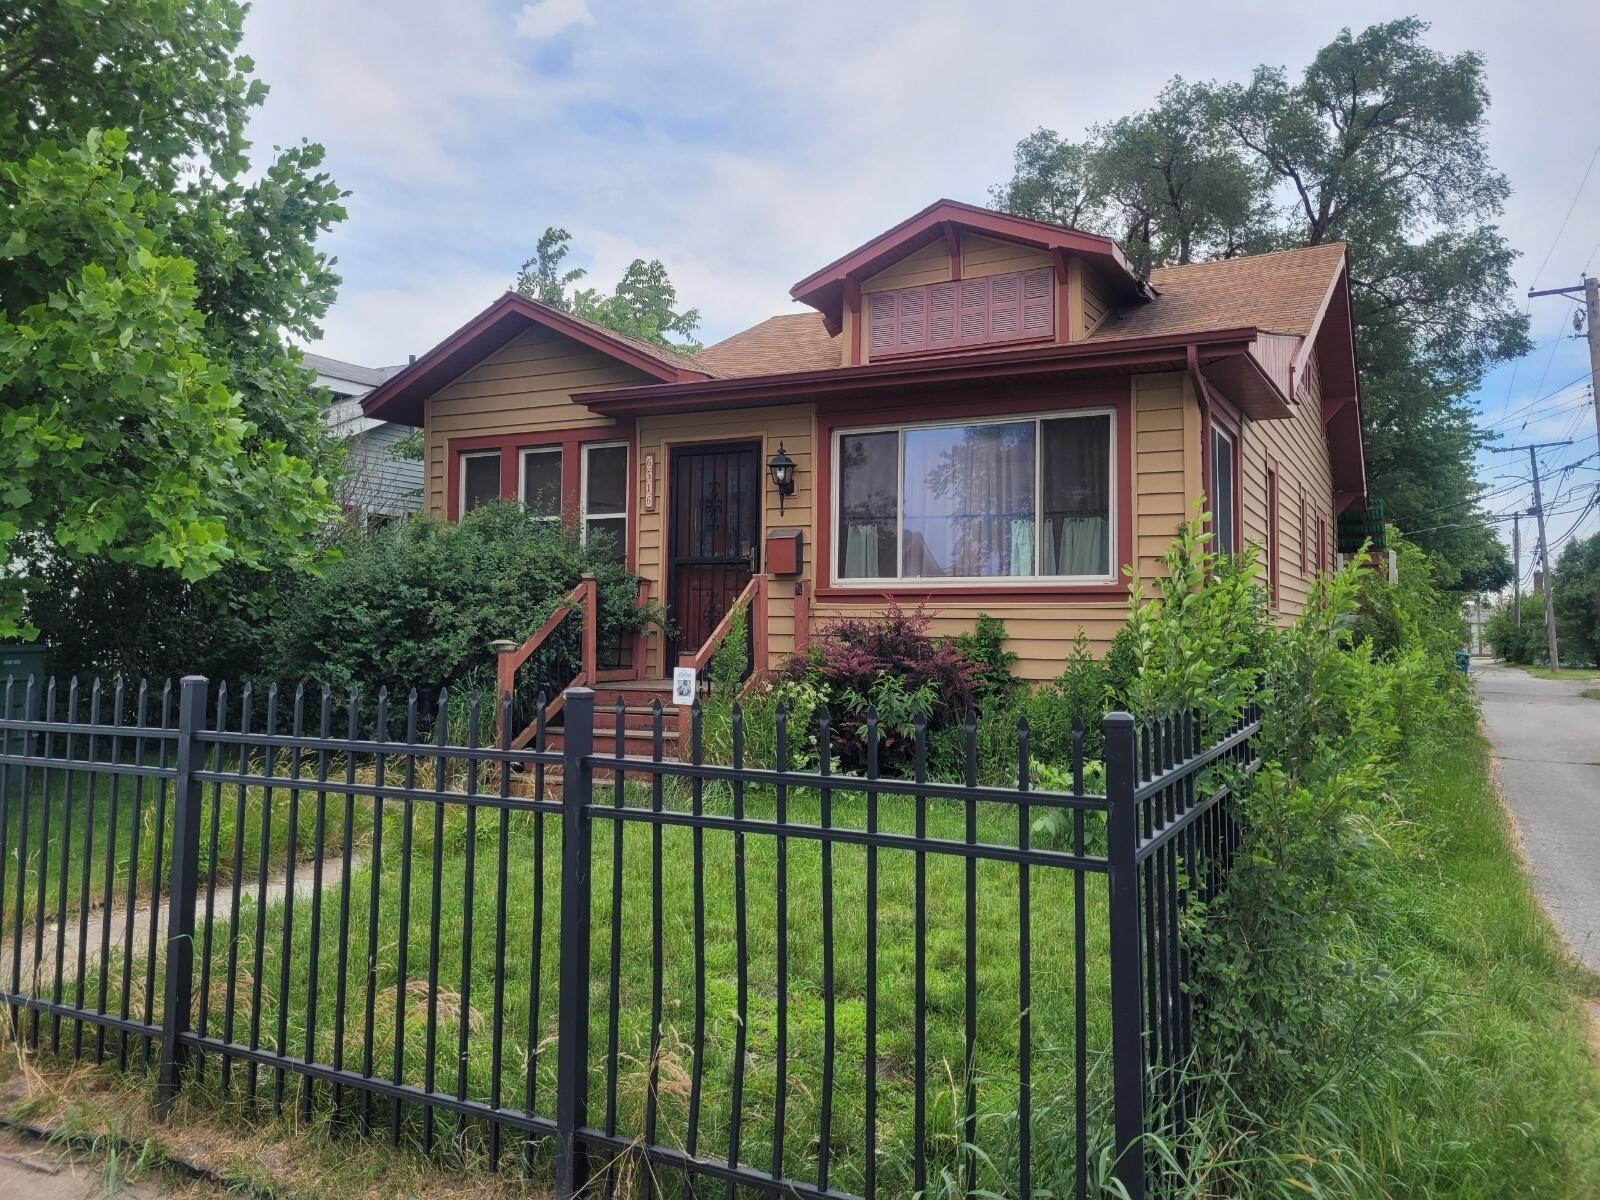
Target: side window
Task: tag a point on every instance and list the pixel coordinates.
(605, 496)
(1273, 537)
(540, 487)
(480, 479)
(1223, 501)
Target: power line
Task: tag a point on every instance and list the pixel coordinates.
(1555, 241)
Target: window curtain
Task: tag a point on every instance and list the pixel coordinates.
(1075, 528)
(969, 501)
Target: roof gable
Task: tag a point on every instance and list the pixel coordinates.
(824, 290)
(400, 397)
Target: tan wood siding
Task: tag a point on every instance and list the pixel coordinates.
(1299, 446)
(525, 386)
(982, 256)
(929, 264)
(1165, 464)
(794, 425)
(1040, 633)
(1097, 301)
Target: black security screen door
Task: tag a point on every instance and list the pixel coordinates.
(715, 528)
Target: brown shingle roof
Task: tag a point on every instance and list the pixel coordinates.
(660, 353)
(795, 342)
(1279, 292)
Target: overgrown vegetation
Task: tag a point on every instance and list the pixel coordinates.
(414, 603)
(1575, 597)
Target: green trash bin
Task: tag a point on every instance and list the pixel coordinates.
(20, 664)
(1463, 659)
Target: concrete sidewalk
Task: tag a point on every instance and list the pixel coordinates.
(1546, 739)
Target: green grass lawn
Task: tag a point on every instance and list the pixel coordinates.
(404, 1003)
(119, 814)
(468, 869)
(1577, 674)
(1503, 1096)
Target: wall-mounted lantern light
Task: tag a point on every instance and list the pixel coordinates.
(781, 467)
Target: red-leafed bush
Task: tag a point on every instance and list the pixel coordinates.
(851, 660)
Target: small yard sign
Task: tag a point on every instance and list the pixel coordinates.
(683, 685)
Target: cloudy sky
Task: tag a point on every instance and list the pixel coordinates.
(746, 143)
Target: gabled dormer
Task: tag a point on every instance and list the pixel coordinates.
(957, 278)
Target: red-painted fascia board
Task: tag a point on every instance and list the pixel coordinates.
(399, 398)
(823, 290)
(754, 391)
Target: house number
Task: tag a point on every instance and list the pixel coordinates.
(650, 483)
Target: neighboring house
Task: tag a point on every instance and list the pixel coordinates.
(377, 482)
(984, 413)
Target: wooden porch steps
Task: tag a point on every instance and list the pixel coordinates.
(638, 725)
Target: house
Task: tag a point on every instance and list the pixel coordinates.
(976, 411)
(378, 482)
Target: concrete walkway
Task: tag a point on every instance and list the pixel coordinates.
(1546, 739)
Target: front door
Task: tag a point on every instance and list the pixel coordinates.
(715, 532)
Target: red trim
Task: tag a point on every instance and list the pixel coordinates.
(399, 398)
(823, 290)
(912, 409)
(952, 241)
(858, 319)
(921, 371)
(1230, 424)
(571, 441)
(1305, 557)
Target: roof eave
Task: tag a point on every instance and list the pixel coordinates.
(399, 398)
(760, 390)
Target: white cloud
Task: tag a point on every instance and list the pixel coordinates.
(546, 18)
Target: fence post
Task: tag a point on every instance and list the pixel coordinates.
(182, 883)
(1127, 998)
(572, 1046)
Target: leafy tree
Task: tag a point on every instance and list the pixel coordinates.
(1576, 596)
(643, 304)
(153, 413)
(1379, 143)
(541, 277)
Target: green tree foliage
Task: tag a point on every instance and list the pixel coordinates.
(417, 603)
(1519, 643)
(644, 304)
(1576, 596)
(152, 412)
(1379, 143)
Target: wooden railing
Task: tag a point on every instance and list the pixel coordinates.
(753, 600)
(635, 667)
(584, 599)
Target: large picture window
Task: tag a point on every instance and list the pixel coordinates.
(1026, 498)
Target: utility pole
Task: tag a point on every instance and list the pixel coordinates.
(1590, 287)
(1516, 569)
(1544, 544)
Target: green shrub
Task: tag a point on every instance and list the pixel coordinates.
(417, 603)
(994, 686)
(1080, 693)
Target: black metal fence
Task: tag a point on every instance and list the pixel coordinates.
(631, 971)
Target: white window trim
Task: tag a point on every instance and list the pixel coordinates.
(461, 470)
(522, 476)
(892, 582)
(583, 493)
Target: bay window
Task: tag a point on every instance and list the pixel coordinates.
(1008, 498)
